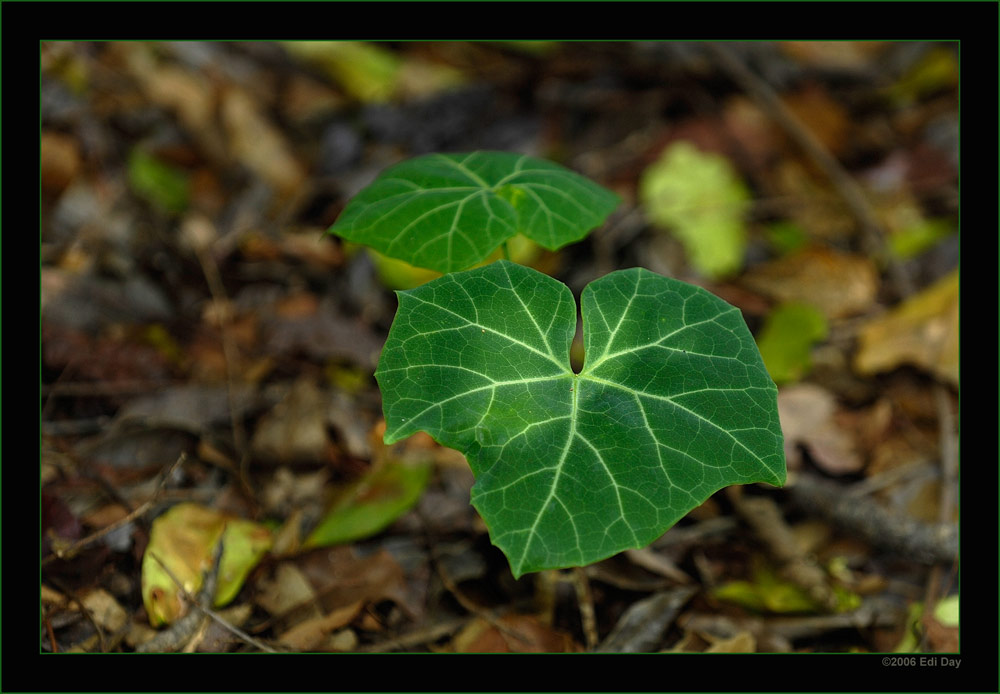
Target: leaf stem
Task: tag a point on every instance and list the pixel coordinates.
(506, 251)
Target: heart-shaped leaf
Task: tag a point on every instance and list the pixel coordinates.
(448, 212)
(672, 404)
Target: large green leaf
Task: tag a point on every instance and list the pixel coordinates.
(672, 404)
(447, 212)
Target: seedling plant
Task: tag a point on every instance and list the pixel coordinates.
(672, 403)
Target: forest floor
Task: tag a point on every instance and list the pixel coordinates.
(208, 350)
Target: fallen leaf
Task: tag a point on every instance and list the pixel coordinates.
(767, 593)
(743, 642)
(157, 182)
(938, 69)
(310, 634)
(258, 144)
(787, 338)
(517, 634)
(807, 419)
(922, 332)
(701, 200)
(319, 329)
(341, 578)
(834, 54)
(839, 284)
(287, 595)
(371, 503)
(184, 539)
(821, 114)
(59, 161)
(294, 431)
(371, 73)
(191, 407)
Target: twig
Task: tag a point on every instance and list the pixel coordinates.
(949, 496)
(845, 185)
(586, 602)
(489, 616)
(417, 637)
(186, 628)
(927, 543)
(76, 547)
(72, 596)
(874, 239)
(211, 271)
(766, 519)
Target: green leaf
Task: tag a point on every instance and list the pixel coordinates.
(787, 338)
(701, 200)
(183, 540)
(767, 593)
(372, 503)
(160, 184)
(673, 403)
(447, 212)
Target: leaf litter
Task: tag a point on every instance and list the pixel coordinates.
(192, 309)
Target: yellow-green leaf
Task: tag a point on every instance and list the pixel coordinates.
(787, 338)
(922, 332)
(701, 200)
(183, 539)
(371, 503)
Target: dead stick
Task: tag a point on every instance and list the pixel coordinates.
(581, 585)
(211, 271)
(848, 189)
(143, 508)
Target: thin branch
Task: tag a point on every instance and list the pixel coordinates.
(211, 271)
(849, 190)
(186, 628)
(76, 547)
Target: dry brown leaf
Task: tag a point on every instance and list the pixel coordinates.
(107, 613)
(319, 328)
(286, 591)
(312, 634)
(518, 634)
(743, 642)
(834, 54)
(807, 418)
(940, 637)
(295, 430)
(59, 161)
(922, 332)
(838, 284)
(258, 144)
(340, 578)
(826, 118)
(810, 202)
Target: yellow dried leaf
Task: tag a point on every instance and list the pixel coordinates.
(922, 332)
(183, 539)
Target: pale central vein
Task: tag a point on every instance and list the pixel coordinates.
(532, 532)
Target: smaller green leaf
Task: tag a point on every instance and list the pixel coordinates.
(701, 200)
(371, 503)
(787, 338)
(448, 212)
